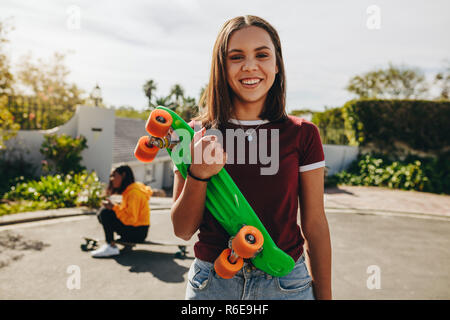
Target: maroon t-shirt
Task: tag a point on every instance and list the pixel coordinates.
(272, 190)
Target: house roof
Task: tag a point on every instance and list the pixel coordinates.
(126, 135)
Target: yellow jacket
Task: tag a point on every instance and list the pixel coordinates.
(134, 210)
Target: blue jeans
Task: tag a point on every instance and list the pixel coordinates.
(248, 284)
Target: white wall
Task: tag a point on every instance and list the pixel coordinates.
(97, 125)
(28, 142)
(338, 158)
(97, 157)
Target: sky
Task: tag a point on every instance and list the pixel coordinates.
(122, 44)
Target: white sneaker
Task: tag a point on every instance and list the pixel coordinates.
(106, 250)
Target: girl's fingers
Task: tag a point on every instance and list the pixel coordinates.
(199, 134)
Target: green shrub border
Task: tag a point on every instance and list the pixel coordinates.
(414, 173)
(419, 125)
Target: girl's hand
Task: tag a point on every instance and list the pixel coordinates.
(208, 156)
(108, 204)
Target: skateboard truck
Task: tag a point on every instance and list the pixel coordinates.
(246, 244)
(160, 136)
(161, 143)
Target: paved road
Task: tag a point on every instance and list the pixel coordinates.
(411, 254)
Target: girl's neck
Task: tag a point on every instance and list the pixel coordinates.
(246, 110)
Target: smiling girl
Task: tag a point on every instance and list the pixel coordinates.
(246, 91)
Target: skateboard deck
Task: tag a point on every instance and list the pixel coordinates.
(92, 244)
(181, 253)
(227, 204)
(89, 244)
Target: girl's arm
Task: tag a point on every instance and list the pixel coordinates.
(188, 205)
(189, 195)
(315, 231)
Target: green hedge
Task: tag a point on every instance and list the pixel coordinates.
(419, 125)
(409, 141)
(52, 192)
(331, 125)
(414, 173)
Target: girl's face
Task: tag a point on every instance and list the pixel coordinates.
(251, 64)
(116, 179)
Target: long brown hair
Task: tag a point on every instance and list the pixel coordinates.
(216, 102)
(126, 181)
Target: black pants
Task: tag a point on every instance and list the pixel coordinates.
(112, 224)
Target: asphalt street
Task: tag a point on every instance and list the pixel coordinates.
(374, 257)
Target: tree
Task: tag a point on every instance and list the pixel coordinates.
(188, 109)
(47, 80)
(149, 88)
(44, 83)
(7, 126)
(6, 77)
(164, 101)
(442, 81)
(303, 112)
(130, 112)
(178, 92)
(391, 83)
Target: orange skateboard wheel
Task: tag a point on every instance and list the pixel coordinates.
(159, 122)
(247, 242)
(224, 268)
(144, 152)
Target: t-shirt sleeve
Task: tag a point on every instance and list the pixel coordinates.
(311, 149)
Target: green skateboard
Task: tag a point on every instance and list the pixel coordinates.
(249, 237)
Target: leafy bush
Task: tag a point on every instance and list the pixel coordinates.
(331, 125)
(63, 153)
(13, 166)
(8, 128)
(25, 206)
(60, 191)
(414, 173)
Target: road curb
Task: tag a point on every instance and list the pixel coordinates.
(382, 212)
(24, 217)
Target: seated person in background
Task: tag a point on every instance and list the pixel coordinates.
(130, 218)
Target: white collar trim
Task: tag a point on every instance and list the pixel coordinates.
(248, 122)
